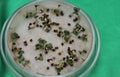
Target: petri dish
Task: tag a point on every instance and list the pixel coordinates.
(81, 71)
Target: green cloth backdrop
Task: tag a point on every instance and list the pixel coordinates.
(106, 16)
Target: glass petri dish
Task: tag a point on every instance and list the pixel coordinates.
(81, 71)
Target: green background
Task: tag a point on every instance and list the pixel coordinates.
(105, 14)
